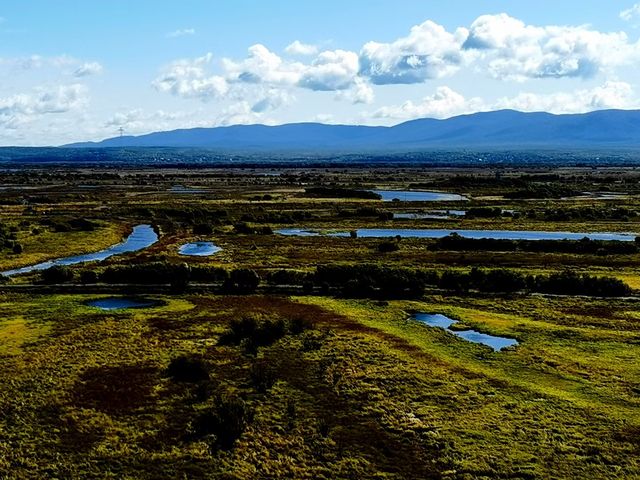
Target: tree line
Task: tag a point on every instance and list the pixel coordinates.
(456, 242)
(354, 281)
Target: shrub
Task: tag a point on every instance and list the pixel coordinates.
(225, 422)
(388, 246)
(188, 368)
(252, 333)
(263, 376)
(17, 248)
(208, 274)
(298, 325)
(242, 280)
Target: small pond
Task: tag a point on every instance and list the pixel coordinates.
(121, 303)
(418, 196)
(441, 321)
(198, 249)
(141, 237)
(439, 233)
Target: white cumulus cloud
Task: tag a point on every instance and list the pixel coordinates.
(429, 51)
(330, 71)
(24, 107)
(87, 69)
(263, 66)
(517, 51)
(299, 48)
(188, 78)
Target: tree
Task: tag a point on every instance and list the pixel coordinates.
(88, 276)
(242, 280)
(57, 274)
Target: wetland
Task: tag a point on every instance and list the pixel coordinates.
(262, 322)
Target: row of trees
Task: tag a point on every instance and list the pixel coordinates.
(241, 280)
(584, 213)
(387, 282)
(359, 281)
(543, 190)
(456, 242)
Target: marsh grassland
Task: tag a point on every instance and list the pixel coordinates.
(298, 357)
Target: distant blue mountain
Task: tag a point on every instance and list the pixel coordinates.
(498, 129)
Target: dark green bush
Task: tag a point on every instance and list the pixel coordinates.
(388, 246)
(188, 368)
(57, 274)
(224, 423)
(242, 280)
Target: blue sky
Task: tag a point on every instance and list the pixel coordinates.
(79, 70)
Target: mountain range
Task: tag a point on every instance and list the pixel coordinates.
(506, 129)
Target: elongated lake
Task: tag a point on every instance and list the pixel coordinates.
(141, 237)
(418, 196)
(441, 321)
(439, 233)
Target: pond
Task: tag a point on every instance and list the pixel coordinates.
(121, 303)
(141, 237)
(198, 249)
(441, 321)
(419, 196)
(439, 233)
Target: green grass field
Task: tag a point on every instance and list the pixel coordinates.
(364, 392)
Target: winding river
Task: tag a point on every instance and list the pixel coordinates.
(441, 321)
(140, 238)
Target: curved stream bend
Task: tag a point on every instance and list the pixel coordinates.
(141, 237)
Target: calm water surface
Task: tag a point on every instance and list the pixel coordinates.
(439, 233)
(198, 249)
(441, 321)
(120, 303)
(417, 196)
(141, 237)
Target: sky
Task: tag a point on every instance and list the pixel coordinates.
(74, 70)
